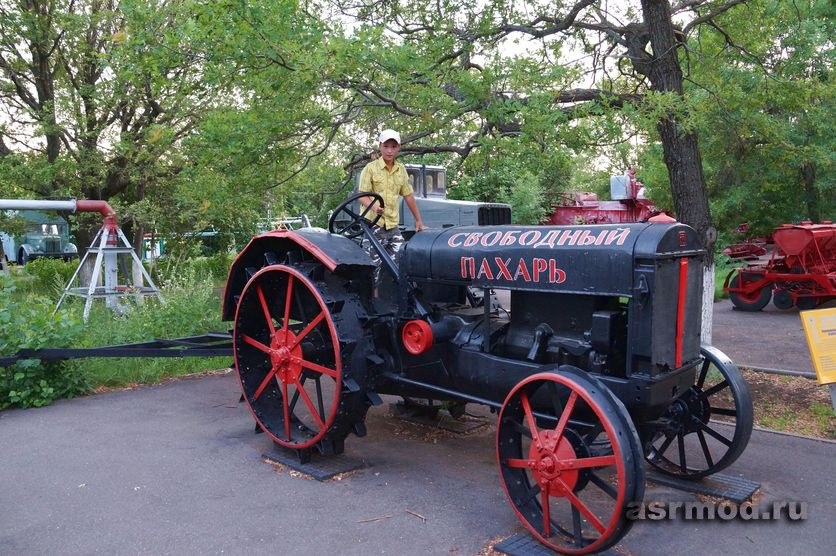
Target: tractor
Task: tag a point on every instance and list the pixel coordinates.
(595, 369)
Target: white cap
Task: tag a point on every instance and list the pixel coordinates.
(387, 134)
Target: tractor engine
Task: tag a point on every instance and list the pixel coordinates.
(620, 301)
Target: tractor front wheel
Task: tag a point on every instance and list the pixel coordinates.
(710, 423)
(570, 460)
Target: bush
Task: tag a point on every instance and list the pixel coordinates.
(172, 268)
(190, 308)
(27, 321)
(30, 323)
(215, 267)
(520, 189)
(50, 275)
(722, 266)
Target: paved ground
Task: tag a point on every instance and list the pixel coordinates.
(769, 338)
(176, 469)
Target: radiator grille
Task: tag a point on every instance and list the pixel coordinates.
(494, 215)
(52, 245)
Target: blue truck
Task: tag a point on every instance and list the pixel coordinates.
(44, 235)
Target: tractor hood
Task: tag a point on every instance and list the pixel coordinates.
(569, 259)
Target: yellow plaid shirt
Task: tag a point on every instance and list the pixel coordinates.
(378, 179)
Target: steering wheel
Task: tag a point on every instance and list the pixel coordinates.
(357, 223)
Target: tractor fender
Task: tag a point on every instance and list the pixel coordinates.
(334, 252)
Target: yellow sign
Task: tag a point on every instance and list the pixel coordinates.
(820, 329)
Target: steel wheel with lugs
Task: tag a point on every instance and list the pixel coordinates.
(570, 460)
(288, 348)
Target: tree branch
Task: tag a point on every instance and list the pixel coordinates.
(711, 15)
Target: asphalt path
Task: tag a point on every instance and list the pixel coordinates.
(177, 469)
(769, 338)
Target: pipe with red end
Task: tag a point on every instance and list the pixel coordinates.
(103, 208)
(72, 205)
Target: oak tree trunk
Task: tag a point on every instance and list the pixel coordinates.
(680, 148)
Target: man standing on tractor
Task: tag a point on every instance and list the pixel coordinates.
(388, 178)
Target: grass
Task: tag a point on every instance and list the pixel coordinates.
(722, 266)
(191, 307)
(791, 404)
(823, 414)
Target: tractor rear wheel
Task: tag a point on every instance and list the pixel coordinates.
(752, 302)
(570, 460)
(712, 422)
(290, 343)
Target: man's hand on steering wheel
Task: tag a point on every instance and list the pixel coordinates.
(358, 223)
(375, 207)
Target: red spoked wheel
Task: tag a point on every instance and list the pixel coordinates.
(570, 460)
(287, 354)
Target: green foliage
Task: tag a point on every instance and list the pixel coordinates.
(527, 200)
(196, 115)
(191, 308)
(722, 267)
(12, 224)
(30, 323)
(764, 111)
(50, 275)
(114, 112)
(214, 268)
(182, 266)
(520, 189)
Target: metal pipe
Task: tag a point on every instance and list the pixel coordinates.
(71, 205)
(96, 206)
(767, 370)
(441, 390)
(31, 204)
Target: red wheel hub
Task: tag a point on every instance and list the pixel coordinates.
(549, 456)
(285, 362)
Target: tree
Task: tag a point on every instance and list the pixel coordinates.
(97, 94)
(446, 75)
(765, 100)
